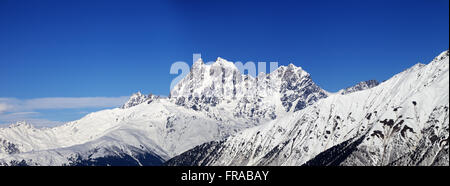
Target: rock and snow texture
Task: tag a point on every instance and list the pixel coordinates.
(211, 103)
(138, 98)
(402, 121)
(360, 86)
(261, 98)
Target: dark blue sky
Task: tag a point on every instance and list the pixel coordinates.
(113, 48)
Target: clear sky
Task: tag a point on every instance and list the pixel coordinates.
(110, 49)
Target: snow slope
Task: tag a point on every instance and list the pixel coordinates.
(402, 121)
(160, 127)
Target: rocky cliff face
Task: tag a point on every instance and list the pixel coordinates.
(287, 89)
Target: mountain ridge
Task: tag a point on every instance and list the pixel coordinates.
(148, 124)
(283, 117)
(402, 121)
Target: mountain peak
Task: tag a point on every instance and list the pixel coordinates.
(135, 99)
(21, 124)
(199, 62)
(291, 65)
(224, 63)
(363, 85)
(291, 70)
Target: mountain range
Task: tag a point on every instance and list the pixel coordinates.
(218, 116)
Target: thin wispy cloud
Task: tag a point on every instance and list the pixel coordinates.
(36, 122)
(30, 117)
(16, 105)
(14, 109)
(3, 107)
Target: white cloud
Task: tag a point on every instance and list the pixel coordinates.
(29, 117)
(13, 109)
(83, 102)
(17, 116)
(18, 105)
(3, 107)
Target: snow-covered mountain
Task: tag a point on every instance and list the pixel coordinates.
(221, 85)
(360, 86)
(217, 116)
(402, 121)
(211, 103)
(138, 98)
